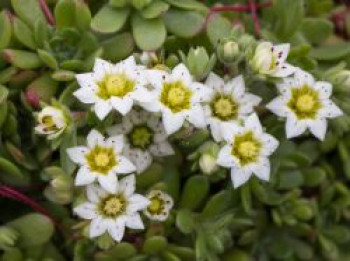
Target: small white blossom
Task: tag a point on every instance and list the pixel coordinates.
(145, 138)
(111, 86)
(52, 122)
(228, 103)
(270, 60)
(177, 97)
(101, 160)
(247, 150)
(306, 104)
(112, 212)
(160, 206)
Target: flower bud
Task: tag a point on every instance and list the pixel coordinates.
(8, 237)
(105, 241)
(228, 51)
(62, 182)
(198, 62)
(207, 164)
(148, 58)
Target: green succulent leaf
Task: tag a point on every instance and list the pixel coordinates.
(5, 30)
(149, 34)
(22, 59)
(29, 11)
(155, 9)
(109, 19)
(218, 27)
(65, 13)
(316, 30)
(183, 23)
(118, 47)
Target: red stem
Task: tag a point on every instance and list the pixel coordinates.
(255, 17)
(240, 8)
(47, 12)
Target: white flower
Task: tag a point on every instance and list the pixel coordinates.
(145, 138)
(112, 212)
(246, 151)
(177, 97)
(113, 86)
(101, 160)
(228, 103)
(160, 206)
(52, 122)
(306, 104)
(270, 60)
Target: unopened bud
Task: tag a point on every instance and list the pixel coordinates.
(228, 51)
(8, 237)
(207, 164)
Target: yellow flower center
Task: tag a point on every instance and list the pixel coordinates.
(246, 148)
(115, 85)
(176, 96)
(112, 206)
(141, 137)
(155, 206)
(224, 108)
(49, 123)
(304, 102)
(101, 160)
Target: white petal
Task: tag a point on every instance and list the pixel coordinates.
(238, 87)
(86, 210)
(141, 159)
(142, 95)
(278, 107)
(150, 106)
(86, 81)
(253, 123)
(157, 78)
(229, 130)
(201, 92)
(281, 51)
(134, 221)
(117, 142)
(284, 70)
(172, 121)
(127, 185)
(122, 128)
(95, 192)
(84, 176)
(77, 154)
(102, 108)
(124, 166)
(123, 106)
(270, 144)
(101, 68)
(86, 95)
(216, 130)
(129, 63)
(196, 116)
(116, 228)
(181, 73)
(262, 169)
(161, 149)
(318, 128)
(225, 158)
(97, 227)
(303, 78)
(294, 127)
(94, 138)
(214, 82)
(137, 202)
(324, 89)
(330, 110)
(108, 182)
(239, 176)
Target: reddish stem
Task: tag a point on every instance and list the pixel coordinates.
(240, 8)
(255, 17)
(47, 12)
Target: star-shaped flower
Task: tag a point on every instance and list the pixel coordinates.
(306, 104)
(52, 121)
(101, 160)
(228, 103)
(160, 206)
(113, 86)
(270, 60)
(247, 150)
(145, 138)
(178, 98)
(112, 212)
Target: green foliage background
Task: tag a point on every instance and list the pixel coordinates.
(302, 214)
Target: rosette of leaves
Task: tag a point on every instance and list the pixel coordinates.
(150, 20)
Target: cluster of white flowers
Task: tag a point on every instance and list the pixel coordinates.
(155, 103)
